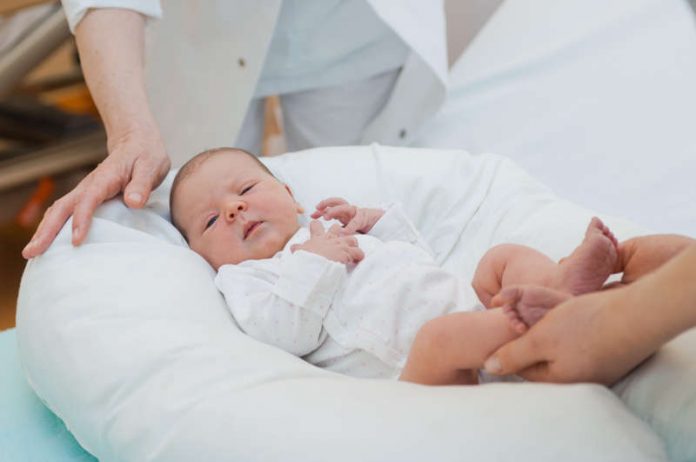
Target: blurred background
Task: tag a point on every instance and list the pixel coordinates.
(50, 132)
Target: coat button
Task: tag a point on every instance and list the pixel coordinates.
(242, 62)
(402, 133)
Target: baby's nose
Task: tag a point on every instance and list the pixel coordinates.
(234, 208)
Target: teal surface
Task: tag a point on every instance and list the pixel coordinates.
(28, 430)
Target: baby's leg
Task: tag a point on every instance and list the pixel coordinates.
(585, 270)
(511, 264)
(449, 349)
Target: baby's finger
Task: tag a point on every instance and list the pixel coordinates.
(351, 241)
(330, 202)
(335, 230)
(356, 254)
(324, 204)
(357, 223)
(316, 228)
(343, 213)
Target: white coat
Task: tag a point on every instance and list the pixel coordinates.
(203, 63)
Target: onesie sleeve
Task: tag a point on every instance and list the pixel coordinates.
(396, 226)
(282, 301)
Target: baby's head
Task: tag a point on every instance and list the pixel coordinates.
(230, 207)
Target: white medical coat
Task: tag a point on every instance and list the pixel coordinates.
(358, 320)
(203, 63)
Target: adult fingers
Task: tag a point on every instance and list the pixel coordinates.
(51, 223)
(316, 229)
(515, 356)
(147, 174)
(102, 184)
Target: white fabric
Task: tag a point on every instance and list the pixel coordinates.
(129, 341)
(314, 45)
(205, 58)
(595, 99)
(358, 320)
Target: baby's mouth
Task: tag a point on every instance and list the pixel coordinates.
(250, 227)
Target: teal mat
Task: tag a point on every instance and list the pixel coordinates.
(28, 430)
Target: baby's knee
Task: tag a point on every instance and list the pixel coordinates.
(489, 272)
(433, 336)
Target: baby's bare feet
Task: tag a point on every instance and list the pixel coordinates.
(591, 263)
(524, 305)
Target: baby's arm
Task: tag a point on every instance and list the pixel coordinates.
(282, 303)
(391, 224)
(449, 349)
(354, 219)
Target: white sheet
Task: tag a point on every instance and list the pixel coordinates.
(596, 99)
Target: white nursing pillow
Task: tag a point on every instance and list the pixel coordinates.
(128, 341)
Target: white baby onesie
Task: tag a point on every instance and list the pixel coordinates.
(358, 320)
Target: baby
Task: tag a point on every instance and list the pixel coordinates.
(367, 298)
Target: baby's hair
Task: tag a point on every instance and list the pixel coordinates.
(193, 164)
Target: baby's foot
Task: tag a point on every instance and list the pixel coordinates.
(525, 305)
(591, 263)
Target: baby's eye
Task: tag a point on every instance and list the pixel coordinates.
(211, 222)
(247, 189)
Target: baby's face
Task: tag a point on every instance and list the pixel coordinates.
(231, 211)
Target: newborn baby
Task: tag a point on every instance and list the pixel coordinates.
(363, 298)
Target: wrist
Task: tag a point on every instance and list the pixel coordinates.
(135, 129)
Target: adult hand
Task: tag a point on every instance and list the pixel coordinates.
(137, 163)
(599, 337)
(589, 338)
(354, 219)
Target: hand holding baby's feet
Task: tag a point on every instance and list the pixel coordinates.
(525, 305)
(354, 219)
(331, 244)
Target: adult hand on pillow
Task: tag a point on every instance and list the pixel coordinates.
(331, 244)
(354, 219)
(137, 163)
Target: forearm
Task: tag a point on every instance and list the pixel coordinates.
(666, 299)
(111, 47)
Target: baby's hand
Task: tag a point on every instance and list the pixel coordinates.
(354, 219)
(330, 244)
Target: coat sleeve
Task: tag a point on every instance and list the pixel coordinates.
(75, 9)
(283, 301)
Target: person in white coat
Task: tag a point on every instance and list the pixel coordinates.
(348, 72)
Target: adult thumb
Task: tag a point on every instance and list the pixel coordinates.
(513, 357)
